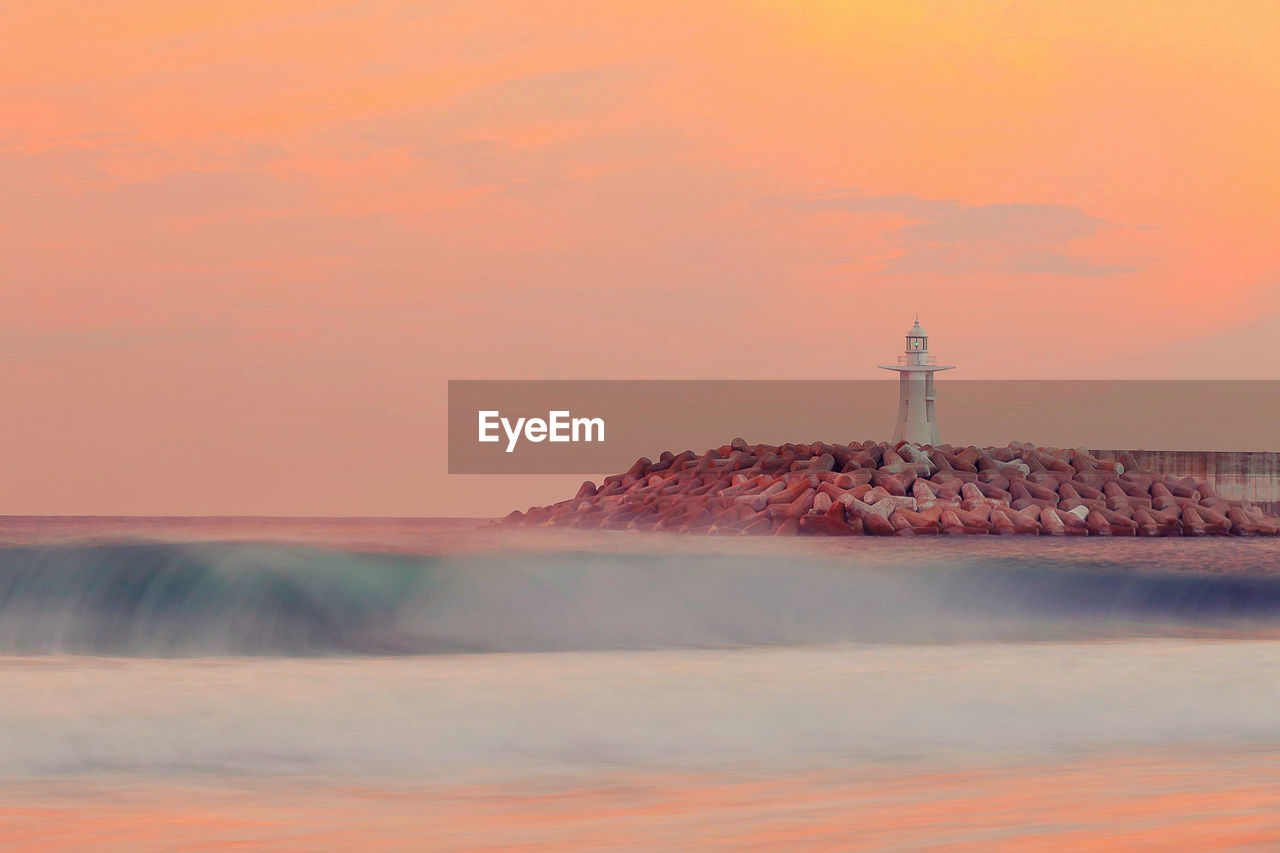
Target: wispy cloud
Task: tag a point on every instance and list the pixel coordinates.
(948, 236)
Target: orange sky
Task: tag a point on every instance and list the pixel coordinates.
(247, 243)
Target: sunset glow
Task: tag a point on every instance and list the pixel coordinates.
(247, 243)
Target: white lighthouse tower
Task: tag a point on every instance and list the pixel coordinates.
(917, 421)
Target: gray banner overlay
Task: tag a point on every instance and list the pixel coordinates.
(602, 426)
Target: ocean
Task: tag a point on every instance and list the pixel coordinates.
(445, 684)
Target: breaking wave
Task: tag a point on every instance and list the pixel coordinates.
(206, 599)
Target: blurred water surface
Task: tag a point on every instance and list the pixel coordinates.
(409, 683)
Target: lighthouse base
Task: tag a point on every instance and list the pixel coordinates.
(917, 421)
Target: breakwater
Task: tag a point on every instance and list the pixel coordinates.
(901, 489)
(1237, 475)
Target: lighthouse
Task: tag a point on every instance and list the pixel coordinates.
(917, 421)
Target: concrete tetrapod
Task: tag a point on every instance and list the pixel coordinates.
(870, 488)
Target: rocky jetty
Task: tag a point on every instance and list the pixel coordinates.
(881, 489)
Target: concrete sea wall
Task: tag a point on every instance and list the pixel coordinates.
(1235, 475)
(878, 489)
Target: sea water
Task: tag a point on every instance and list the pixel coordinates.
(446, 685)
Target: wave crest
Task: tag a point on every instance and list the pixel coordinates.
(181, 599)
(162, 599)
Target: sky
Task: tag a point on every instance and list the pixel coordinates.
(246, 244)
